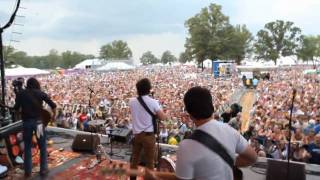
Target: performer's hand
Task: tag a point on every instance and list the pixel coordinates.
(150, 175)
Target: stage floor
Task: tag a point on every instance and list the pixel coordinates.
(77, 164)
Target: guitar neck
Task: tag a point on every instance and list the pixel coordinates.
(133, 172)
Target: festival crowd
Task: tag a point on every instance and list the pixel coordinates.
(85, 96)
(269, 130)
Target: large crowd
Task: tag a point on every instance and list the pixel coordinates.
(269, 131)
(90, 95)
(86, 96)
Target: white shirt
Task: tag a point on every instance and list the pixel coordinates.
(141, 119)
(196, 161)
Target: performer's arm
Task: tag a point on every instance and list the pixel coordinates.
(161, 115)
(247, 158)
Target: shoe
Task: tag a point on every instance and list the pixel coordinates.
(19, 160)
(3, 171)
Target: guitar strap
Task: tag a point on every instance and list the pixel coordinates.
(154, 117)
(214, 145)
(211, 143)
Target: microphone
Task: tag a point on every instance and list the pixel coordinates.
(294, 91)
(91, 90)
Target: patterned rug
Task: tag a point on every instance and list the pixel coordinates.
(56, 158)
(89, 169)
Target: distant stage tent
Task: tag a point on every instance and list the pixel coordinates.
(89, 64)
(112, 66)
(22, 71)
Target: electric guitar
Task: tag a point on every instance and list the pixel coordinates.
(121, 170)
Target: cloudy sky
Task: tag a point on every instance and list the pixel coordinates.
(155, 25)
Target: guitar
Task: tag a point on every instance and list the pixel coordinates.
(120, 170)
(46, 116)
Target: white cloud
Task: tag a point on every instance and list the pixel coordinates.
(157, 43)
(41, 46)
(154, 25)
(256, 13)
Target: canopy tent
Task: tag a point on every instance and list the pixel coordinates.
(89, 63)
(256, 68)
(22, 71)
(115, 66)
(191, 63)
(311, 71)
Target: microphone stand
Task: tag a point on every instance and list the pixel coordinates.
(111, 153)
(290, 127)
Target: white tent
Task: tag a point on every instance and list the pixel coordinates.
(207, 63)
(22, 71)
(115, 66)
(89, 62)
(190, 63)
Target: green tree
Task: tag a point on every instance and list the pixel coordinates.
(167, 57)
(277, 39)
(148, 58)
(210, 34)
(70, 59)
(240, 44)
(115, 50)
(184, 57)
(310, 48)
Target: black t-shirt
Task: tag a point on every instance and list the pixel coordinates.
(30, 101)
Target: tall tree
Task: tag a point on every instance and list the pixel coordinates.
(116, 50)
(148, 58)
(310, 48)
(70, 59)
(277, 39)
(167, 57)
(209, 34)
(240, 44)
(184, 57)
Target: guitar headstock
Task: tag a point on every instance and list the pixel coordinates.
(119, 169)
(114, 168)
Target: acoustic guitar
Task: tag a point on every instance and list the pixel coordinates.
(46, 116)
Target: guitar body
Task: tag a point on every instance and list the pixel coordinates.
(45, 116)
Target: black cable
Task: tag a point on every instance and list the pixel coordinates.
(12, 16)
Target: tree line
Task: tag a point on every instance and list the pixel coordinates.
(210, 36)
(54, 59)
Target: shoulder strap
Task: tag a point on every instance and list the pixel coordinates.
(211, 143)
(154, 123)
(144, 105)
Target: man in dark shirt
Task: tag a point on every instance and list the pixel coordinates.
(314, 150)
(29, 101)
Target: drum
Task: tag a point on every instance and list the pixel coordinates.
(168, 163)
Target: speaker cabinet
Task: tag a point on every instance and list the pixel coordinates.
(86, 142)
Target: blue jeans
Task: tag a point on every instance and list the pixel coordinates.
(30, 126)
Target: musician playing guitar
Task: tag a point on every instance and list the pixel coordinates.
(195, 158)
(29, 101)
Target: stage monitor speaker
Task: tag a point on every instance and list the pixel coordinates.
(277, 170)
(121, 134)
(86, 142)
